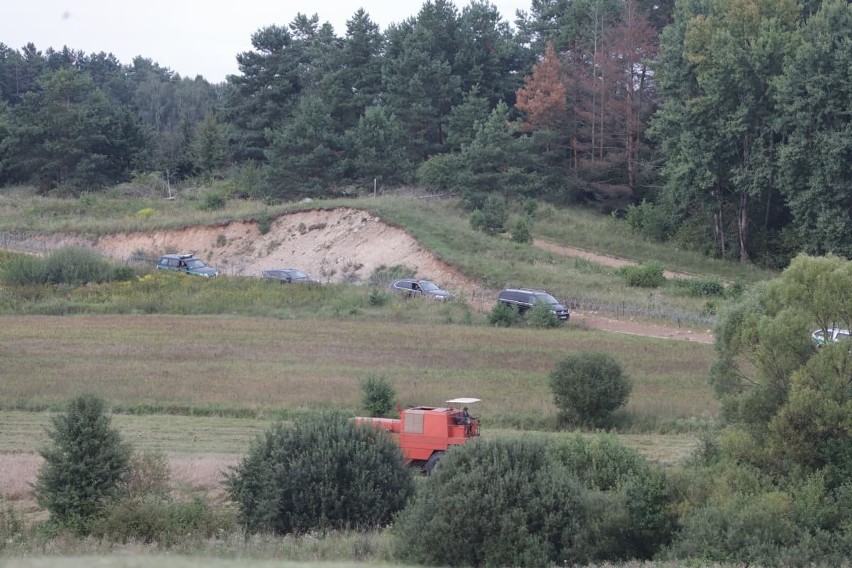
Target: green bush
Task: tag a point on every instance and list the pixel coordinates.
(706, 287)
(213, 201)
(161, 521)
(264, 223)
(503, 315)
(383, 275)
(513, 503)
(11, 526)
(650, 221)
(646, 275)
(601, 463)
(492, 504)
(379, 396)
(322, 473)
(541, 316)
(492, 217)
(70, 265)
(521, 232)
(588, 387)
(378, 297)
(84, 466)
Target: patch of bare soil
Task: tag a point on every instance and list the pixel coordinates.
(331, 245)
(610, 261)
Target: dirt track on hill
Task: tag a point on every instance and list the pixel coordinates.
(332, 245)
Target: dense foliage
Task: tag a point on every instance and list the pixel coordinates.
(321, 473)
(85, 464)
(776, 487)
(587, 387)
(529, 503)
(727, 121)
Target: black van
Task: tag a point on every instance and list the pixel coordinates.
(524, 299)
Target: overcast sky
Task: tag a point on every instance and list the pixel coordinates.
(190, 37)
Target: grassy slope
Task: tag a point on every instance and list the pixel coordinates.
(442, 227)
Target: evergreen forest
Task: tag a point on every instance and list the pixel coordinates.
(722, 126)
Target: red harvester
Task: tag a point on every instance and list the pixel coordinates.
(425, 432)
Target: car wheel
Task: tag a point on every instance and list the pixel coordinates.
(432, 462)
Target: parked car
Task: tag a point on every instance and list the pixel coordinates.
(524, 299)
(186, 263)
(421, 288)
(822, 336)
(288, 275)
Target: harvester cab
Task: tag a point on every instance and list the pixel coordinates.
(424, 433)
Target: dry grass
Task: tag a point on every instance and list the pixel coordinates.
(203, 364)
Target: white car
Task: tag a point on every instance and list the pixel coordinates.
(822, 336)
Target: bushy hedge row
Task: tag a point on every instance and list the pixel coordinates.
(528, 503)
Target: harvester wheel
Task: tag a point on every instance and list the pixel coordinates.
(432, 462)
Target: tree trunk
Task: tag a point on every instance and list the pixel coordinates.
(742, 223)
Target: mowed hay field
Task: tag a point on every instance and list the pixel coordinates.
(255, 367)
(202, 388)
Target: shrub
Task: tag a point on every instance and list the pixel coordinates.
(503, 315)
(149, 476)
(492, 217)
(515, 503)
(84, 465)
(379, 396)
(378, 297)
(706, 287)
(384, 275)
(264, 223)
(650, 221)
(11, 525)
(491, 504)
(213, 201)
(541, 316)
(646, 275)
(145, 213)
(70, 265)
(753, 529)
(24, 270)
(588, 387)
(155, 520)
(521, 232)
(322, 473)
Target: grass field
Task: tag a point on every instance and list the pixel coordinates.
(198, 369)
(235, 366)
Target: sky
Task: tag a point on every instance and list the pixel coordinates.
(190, 37)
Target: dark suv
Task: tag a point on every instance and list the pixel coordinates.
(421, 288)
(186, 263)
(524, 299)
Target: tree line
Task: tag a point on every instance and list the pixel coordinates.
(720, 125)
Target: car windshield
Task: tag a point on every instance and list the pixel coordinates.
(546, 298)
(195, 264)
(296, 274)
(427, 286)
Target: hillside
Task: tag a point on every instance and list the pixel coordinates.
(333, 245)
